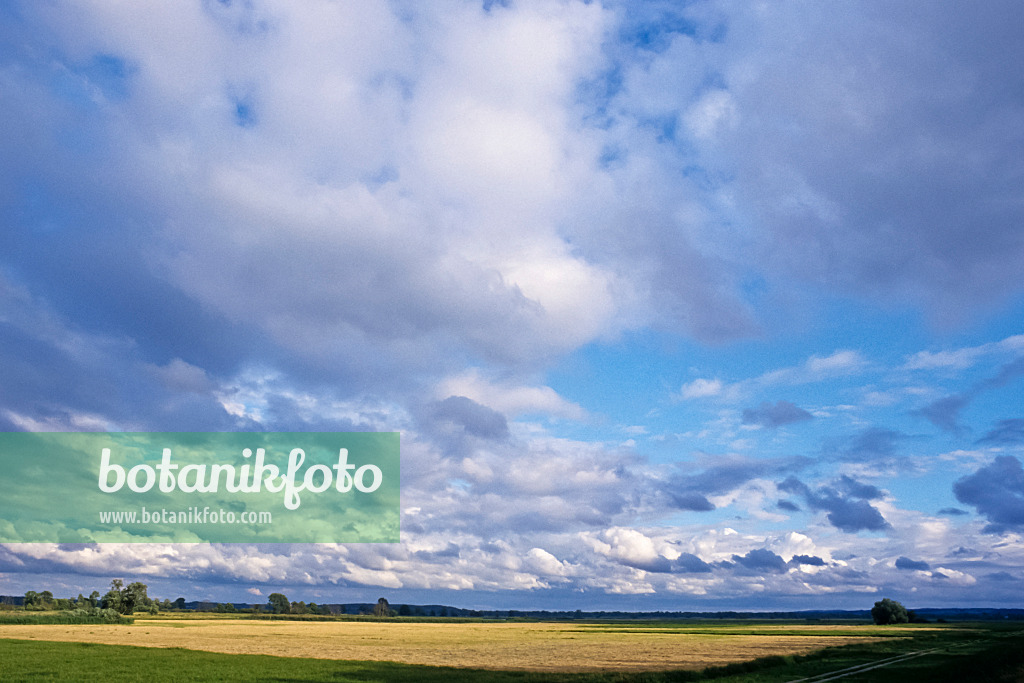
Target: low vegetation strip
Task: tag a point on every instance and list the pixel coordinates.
(76, 616)
(505, 646)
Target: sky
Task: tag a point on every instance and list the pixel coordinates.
(676, 305)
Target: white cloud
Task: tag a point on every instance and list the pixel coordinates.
(840, 362)
(508, 398)
(962, 358)
(701, 388)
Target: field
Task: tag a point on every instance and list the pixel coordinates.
(479, 645)
(229, 649)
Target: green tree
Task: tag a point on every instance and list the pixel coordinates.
(277, 603)
(382, 608)
(114, 597)
(888, 611)
(126, 599)
(134, 597)
(179, 603)
(32, 600)
(94, 598)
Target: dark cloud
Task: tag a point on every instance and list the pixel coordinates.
(1007, 373)
(945, 412)
(854, 515)
(911, 565)
(688, 563)
(475, 419)
(997, 492)
(775, 415)
(855, 489)
(811, 560)
(846, 503)
(691, 501)
(1007, 432)
(690, 491)
(447, 554)
(873, 444)
(1001, 576)
(761, 560)
(794, 485)
(658, 565)
(953, 512)
(788, 506)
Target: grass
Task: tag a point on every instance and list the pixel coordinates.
(969, 652)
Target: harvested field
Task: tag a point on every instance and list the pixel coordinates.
(511, 646)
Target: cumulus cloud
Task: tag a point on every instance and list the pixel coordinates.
(509, 397)
(690, 491)
(996, 491)
(846, 502)
(475, 419)
(701, 388)
(258, 215)
(761, 560)
(911, 565)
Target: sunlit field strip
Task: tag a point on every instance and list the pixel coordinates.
(512, 646)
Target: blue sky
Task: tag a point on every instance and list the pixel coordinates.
(676, 305)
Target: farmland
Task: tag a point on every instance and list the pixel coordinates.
(240, 649)
(481, 645)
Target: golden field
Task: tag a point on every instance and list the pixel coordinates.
(483, 645)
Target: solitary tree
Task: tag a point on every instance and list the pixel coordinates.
(888, 611)
(382, 608)
(278, 603)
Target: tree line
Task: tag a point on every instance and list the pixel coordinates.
(121, 598)
(131, 598)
